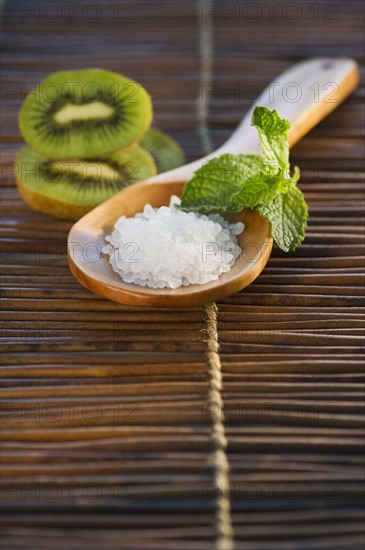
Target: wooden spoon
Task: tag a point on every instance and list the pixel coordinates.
(304, 94)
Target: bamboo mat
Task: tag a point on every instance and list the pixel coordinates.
(113, 433)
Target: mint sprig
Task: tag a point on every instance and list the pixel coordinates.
(234, 182)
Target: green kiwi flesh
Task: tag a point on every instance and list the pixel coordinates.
(85, 114)
(69, 188)
(165, 150)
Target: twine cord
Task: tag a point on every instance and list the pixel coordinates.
(223, 536)
(218, 458)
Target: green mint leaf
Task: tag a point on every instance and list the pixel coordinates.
(231, 183)
(288, 214)
(273, 136)
(234, 182)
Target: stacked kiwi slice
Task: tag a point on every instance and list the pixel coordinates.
(89, 136)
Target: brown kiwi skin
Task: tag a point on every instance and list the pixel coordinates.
(51, 206)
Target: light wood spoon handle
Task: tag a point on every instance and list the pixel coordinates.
(304, 94)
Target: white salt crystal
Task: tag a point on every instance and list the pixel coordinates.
(165, 247)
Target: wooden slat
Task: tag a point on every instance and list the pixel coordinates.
(105, 411)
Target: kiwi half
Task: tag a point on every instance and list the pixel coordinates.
(84, 114)
(165, 150)
(70, 188)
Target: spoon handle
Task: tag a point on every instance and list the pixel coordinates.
(305, 94)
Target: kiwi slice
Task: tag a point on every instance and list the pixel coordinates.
(84, 113)
(165, 150)
(69, 188)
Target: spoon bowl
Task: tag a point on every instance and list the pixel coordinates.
(335, 79)
(91, 267)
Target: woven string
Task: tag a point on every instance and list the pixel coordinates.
(206, 62)
(218, 459)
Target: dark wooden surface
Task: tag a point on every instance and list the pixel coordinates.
(105, 434)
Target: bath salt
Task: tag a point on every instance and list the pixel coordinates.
(167, 248)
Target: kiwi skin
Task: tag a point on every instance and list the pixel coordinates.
(36, 193)
(51, 206)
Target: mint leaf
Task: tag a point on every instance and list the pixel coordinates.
(231, 183)
(273, 136)
(288, 214)
(234, 182)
